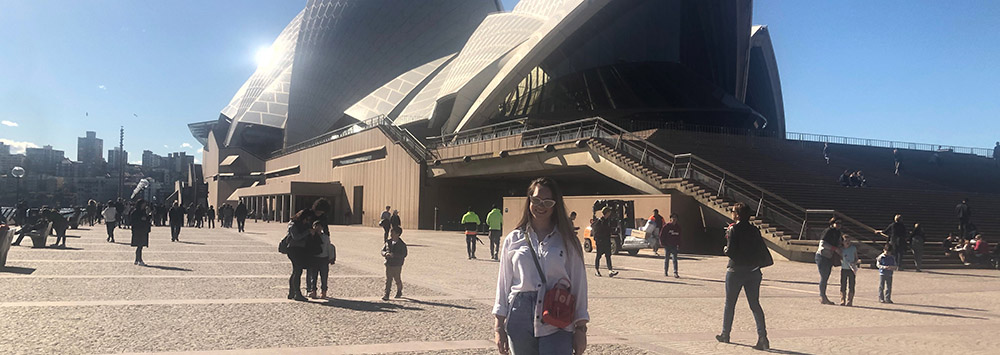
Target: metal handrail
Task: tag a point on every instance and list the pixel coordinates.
(380, 120)
(478, 134)
(880, 143)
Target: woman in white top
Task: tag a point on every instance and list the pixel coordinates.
(520, 290)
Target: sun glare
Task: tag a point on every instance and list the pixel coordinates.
(264, 56)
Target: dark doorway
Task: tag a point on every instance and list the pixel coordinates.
(359, 198)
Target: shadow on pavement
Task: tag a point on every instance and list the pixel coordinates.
(964, 275)
(772, 350)
(657, 281)
(17, 270)
(168, 268)
(192, 243)
(435, 304)
(942, 307)
(795, 282)
(62, 248)
(924, 313)
(364, 306)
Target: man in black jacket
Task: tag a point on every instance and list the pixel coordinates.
(241, 216)
(747, 255)
(176, 214)
(601, 230)
(897, 234)
(964, 213)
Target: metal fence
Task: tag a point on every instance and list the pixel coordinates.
(880, 143)
(373, 122)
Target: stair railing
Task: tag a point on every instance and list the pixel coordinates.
(816, 220)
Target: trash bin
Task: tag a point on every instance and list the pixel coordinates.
(6, 236)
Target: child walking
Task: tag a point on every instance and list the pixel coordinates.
(886, 264)
(849, 265)
(394, 252)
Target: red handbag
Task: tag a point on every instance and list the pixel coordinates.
(559, 306)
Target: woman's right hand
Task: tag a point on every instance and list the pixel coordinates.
(501, 338)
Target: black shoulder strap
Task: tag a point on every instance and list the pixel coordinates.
(534, 257)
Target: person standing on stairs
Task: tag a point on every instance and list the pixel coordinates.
(964, 214)
(828, 250)
(897, 158)
(917, 245)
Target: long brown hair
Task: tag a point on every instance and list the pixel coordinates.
(565, 227)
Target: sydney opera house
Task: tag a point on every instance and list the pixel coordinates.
(432, 106)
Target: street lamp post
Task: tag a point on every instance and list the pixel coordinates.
(17, 172)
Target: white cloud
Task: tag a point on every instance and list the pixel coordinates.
(137, 162)
(9, 123)
(201, 150)
(166, 146)
(102, 87)
(18, 147)
(197, 161)
(185, 145)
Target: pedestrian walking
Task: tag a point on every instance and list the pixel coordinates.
(319, 268)
(670, 238)
(747, 255)
(886, 265)
(471, 222)
(91, 211)
(897, 158)
(849, 265)
(600, 229)
(917, 245)
(110, 216)
(653, 227)
(395, 221)
(964, 214)
(304, 243)
(141, 221)
(241, 216)
(829, 249)
(896, 232)
(176, 215)
(384, 222)
(541, 304)
(222, 217)
(495, 220)
(211, 216)
(230, 214)
(394, 253)
(826, 152)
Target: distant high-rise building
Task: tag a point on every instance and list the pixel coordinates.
(151, 160)
(89, 148)
(9, 161)
(44, 160)
(113, 158)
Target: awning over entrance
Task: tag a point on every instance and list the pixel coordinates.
(299, 188)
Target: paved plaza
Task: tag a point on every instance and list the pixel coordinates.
(218, 291)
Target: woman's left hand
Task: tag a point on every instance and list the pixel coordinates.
(579, 342)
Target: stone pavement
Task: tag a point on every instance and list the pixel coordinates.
(219, 291)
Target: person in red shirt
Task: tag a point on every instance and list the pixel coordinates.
(670, 240)
(980, 249)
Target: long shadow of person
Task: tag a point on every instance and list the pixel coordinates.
(435, 304)
(192, 243)
(923, 313)
(168, 268)
(773, 351)
(17, 270)
(365, 306)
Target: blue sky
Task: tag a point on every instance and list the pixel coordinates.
(923, 71)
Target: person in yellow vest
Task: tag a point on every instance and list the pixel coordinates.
(495, 220)
(471, 222)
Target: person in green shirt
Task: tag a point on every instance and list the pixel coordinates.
(495, 220)
(471, 222)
